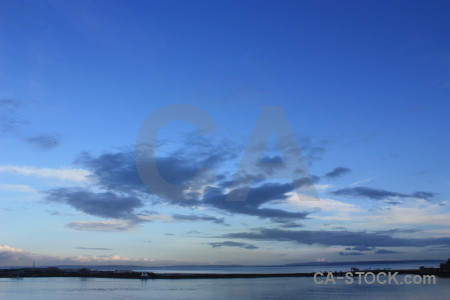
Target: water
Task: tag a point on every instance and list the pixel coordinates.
(248, 288)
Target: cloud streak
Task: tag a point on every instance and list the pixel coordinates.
(233, 244)
(379, 194)
(75, 175)
(337, 172)
(102, 226)
(195, 218)
(93, 248)
(336, 238)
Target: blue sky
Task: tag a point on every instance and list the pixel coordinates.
(364, 86)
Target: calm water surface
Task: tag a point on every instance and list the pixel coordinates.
(229, 289)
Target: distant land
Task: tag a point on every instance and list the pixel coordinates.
(312, 263)
(443, 270)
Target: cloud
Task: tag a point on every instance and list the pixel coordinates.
(118, 170)
(322, 204)
(350, 253)
(336, 238)
(365, 180)
(418, 213)
(337, 172)
(102, 226)
(290, 225)
(423, 195)
(378, 194)
(384, 251)
(117, 173)
(76, 175)
(44, 141)
(397, 230)
(92, 248)
(233, 244)
(17, 188)
(106, 205)
(359, 248)
(194, 218)
(362, 250)
(258, 196)
(10, 256)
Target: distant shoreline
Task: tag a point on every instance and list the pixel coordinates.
(53, 272)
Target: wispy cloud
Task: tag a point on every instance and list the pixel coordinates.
(76, 175)
(385, 251)
(337, 172)
(93, 248)
(18, 188)
(364, 180)
(233, 244)
(417, 213)
(45, 141)
(102, 225)
(379, 194)
(180, 217)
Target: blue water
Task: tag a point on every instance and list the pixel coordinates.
(235, 289)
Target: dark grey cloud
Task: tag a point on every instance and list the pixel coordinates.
(106, 205)
(44, 141)
(258, 196)
(123, 191)
(362, 250)
(384, 251)
(233, 244)
(194, 218)
(398, 230)
(350, 253)
(117, 172)
(336, 238)
(371, 193)
(424, 195)
(113, 171)
(337, 172)
(378, 194)
(92, 248)
(290, 225)
(340, 227)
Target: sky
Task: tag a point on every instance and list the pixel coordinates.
(247, 132)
